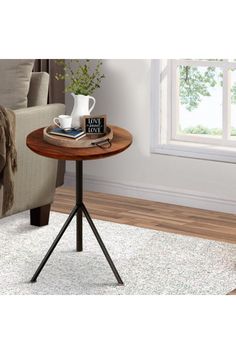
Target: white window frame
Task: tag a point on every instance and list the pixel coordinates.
(163, 132)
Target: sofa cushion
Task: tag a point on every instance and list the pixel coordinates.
(15, 77)
(38, 90)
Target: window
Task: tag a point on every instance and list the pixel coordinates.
(194, 108)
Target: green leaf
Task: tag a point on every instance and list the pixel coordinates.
(82, 80)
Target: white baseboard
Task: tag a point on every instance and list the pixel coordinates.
(161, 194)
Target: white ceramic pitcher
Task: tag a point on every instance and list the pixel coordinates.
(81, 108)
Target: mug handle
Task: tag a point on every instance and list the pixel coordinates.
(55, 122)
(94, 102)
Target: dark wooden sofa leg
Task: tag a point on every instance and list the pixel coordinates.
(40, 216)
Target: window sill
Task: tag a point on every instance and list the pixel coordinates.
(196, 151)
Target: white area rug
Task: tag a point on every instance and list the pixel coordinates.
(148, 261)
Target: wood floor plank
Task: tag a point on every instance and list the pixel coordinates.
(159, 216)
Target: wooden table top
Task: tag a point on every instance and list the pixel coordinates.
(122, 139)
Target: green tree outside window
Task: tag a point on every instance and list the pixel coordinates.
(194, 85)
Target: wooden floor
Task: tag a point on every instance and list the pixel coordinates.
(153, 215)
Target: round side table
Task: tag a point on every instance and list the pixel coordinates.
(122, 139)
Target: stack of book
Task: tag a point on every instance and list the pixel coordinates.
(73, 133)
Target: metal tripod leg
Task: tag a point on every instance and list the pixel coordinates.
(57, 239)
(78, 209)
(79, 200)
(101, 244)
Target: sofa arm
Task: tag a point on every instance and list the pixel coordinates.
(42, 115)
(35, 178)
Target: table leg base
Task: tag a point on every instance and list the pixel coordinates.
(79, 230)
(54, 244)
(79, 248)
(101, 244)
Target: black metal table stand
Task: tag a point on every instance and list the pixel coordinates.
(78, 210)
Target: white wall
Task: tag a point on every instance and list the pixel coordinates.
(125, 97)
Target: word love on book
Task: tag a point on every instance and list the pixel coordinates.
(94, 124)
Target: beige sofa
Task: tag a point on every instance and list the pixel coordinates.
(35, 179)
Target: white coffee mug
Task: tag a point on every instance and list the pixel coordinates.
(63, 121)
